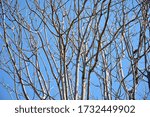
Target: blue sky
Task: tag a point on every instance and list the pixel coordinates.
(142, 87)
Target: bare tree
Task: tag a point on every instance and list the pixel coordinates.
(75, 49)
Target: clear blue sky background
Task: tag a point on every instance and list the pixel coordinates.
(4, 88)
